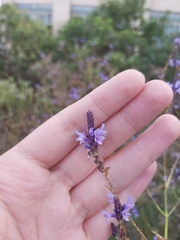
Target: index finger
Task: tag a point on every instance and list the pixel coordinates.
(54, 139)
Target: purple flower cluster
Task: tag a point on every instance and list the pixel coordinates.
(74, 93)
(94, 138)
(177, 41)
(174, 62)
(104, 77)
(175, 86)
(121, 212)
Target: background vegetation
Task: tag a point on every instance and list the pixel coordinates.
(41, 73)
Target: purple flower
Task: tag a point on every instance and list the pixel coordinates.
(104, 62)
(95, 137)
(81, 137)
(74, 93)
(37, 85)
(92, 140)
(130, 202)
(91, 132)
(177, 41)
(172, 62)
(127, 207)
(103, 76)
(175, 86)
(177, 63)
(126, 214)
(108, 215)
(120, 211)
(111, 197)
(73, 55)
(82, 40)
(111, 46)
(114, 230)
(90, 86)
(100, 134)
(177, 170)
(42, 55)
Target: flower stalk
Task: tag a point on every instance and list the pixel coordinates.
(94, 138)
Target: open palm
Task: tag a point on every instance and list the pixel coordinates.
(49, 190)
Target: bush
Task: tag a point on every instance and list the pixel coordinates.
(117, 29)
(21, 43)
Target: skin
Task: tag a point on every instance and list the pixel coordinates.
(49, 190)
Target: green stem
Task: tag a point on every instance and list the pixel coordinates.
(175, 206)
(166, 215)
(155, 203)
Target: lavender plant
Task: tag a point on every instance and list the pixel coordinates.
(169, 173)
(91, 141)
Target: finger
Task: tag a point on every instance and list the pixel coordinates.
(55, 139)
(127, 164)
(154, 97)
(96, 226)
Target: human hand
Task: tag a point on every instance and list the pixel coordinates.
(48, 188)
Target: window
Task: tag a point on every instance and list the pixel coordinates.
(38, 12)
(81, 11)
(174, 21)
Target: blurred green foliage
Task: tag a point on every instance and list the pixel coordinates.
(120, 30)
(21, 42)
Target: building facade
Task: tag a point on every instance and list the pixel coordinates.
(57, 12)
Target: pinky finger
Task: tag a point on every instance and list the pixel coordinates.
(96, 227)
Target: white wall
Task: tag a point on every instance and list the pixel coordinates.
(61, 13)
(164, 5)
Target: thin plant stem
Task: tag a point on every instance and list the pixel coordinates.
(138, 229)
(171, 173)
(175, 206)
(166, 215)
(155, 203)
(166, 186)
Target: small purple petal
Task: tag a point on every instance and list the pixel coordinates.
(130, 202)
(108, 215)
(100, 134)
(126, 214)
(111, 197)
(91, 132)
(177, 63)
(127, 207)
(74, 93)
(177, 40)
(81, 137)
(172, 62)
